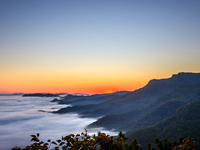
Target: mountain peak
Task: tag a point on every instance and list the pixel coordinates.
(186, 74)
(181, 77)
(186, 77)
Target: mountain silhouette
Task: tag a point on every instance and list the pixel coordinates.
(156, 101)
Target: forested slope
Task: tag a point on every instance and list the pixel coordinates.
(185, 122)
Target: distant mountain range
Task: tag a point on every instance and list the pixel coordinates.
(36, 94)
(130, 111)
(41, 95)
(74, 100)
(13, 94)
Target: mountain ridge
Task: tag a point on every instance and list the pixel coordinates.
(128, 111)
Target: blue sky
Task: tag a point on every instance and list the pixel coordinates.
(87, 43)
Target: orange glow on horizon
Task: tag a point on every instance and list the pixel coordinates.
(50, 82)
(108, 92)
(71, 90)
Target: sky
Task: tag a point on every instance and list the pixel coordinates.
(95, 46)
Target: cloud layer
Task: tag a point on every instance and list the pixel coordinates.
(20, 118)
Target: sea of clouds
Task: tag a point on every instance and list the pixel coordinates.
(20, 118)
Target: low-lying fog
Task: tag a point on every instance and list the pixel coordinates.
(20, 118)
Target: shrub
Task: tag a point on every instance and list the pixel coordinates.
(102, 141)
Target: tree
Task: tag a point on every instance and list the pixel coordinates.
(103, 141)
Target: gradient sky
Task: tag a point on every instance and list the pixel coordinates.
(94, 46)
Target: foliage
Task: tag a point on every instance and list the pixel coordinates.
(102, 141)
(79, 142)
(182, 144)
(187, 144)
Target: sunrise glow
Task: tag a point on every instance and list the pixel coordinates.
(91, 47)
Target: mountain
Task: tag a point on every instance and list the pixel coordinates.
(88, 99)
(185, 122)
(13, 94)
(161, 107)
(144, 107)
(40, 95)
(137, 119)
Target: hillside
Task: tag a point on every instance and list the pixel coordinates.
(137, 119)
(88, 99)
(158, 100)
(185, 122)
(161, 108)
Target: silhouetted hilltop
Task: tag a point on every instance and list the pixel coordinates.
(40, 95)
